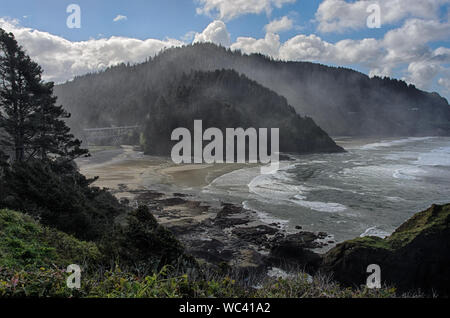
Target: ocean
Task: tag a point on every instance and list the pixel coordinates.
(370, 190)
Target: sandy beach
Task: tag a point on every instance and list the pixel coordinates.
(212, 233)
(125, 167)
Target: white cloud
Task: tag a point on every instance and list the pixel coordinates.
(422, 73)
(340, 15)
(216, 32)
(270, 45)
(277, 26)
(404, 50)
(229, 9)
(445, 82)
(306, 48)
(62, 59)
(120, 18)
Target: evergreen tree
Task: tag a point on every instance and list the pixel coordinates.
(53, 138)
(28, 111)
(16, 74)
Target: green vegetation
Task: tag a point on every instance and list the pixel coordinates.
(64, 221)
(341, 101)
(25, 244)
(224, 99)
(144, 245)
(61, 197)
(33, 259)
(416, 256)
(432, 220)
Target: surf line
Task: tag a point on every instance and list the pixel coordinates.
(235, 146)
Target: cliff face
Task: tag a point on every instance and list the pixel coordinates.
(416, 256)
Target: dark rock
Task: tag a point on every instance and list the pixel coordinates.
(180, 195)
(305, 239)
(147, 196)
(172, 201)
(289, 252)
(257, 234)
(224, 219)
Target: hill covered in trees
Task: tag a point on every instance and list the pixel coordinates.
(221, 99)
(339, 100)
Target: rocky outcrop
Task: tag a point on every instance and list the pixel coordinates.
(415, 257)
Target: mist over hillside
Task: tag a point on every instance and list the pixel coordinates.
(339, 100)
(224, 99)
(163, 99)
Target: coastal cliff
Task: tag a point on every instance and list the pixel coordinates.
(416, 256)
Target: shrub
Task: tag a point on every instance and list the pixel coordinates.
(59, 196)
(144, 244)
(24, 244)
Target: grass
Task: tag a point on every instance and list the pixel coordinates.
(33, 259)
(25, 244)
(433, 219)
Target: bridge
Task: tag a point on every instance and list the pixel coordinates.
(112, 134)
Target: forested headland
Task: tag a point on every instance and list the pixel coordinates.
(341, 101)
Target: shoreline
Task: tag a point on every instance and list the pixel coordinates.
(214, 233)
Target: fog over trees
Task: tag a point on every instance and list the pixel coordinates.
(170, 89)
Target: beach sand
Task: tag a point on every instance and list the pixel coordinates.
(223, 233)
(124, 167)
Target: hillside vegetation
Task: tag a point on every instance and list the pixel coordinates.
(33, 259)
(341, 101)
(224, 99)
(416, 256)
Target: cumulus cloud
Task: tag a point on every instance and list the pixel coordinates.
(445, 82)
(405, 50)
(340, 15)
(421, 73)
(229, 9)
(277, 26)
(270, 45)
(216, 32)
(120, 18)
(62, 59)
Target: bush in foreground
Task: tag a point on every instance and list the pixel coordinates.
(33, 259)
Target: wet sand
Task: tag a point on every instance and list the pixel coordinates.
(223, 233)
(125, 167)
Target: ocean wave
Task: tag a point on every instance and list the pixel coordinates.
(319, 206)
(282, 187)
(279, 186)
(405, 174)
(384, 144)
(436, 157)
(375, 231)
(401, 172)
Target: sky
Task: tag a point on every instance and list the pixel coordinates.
(405, 39)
